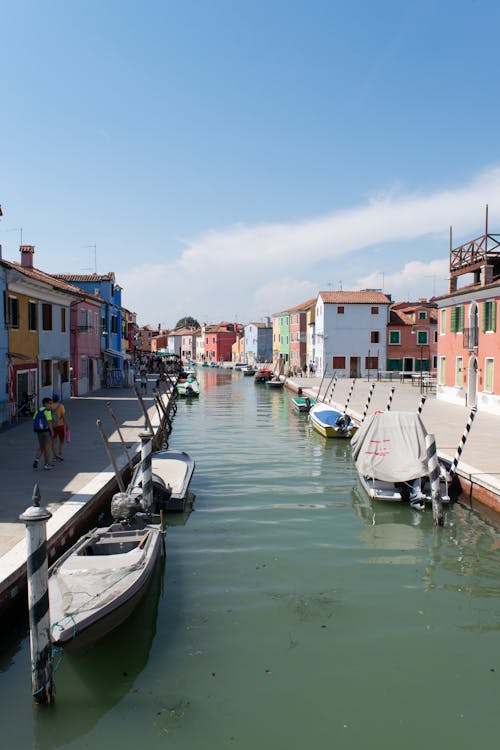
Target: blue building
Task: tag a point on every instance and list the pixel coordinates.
(105, 287)
(258, 342)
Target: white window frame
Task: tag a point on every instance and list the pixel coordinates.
(487, 361)
(459, 372)
(442, 371)
(442, 322)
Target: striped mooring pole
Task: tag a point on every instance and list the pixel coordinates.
(146, 470)
(35, 518)
(421, 404)
(434, 479)
(389, 403)
(332, 385)
(463, 440)
(370, 394)
(349, 396)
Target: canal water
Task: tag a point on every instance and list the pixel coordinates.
(290, 612)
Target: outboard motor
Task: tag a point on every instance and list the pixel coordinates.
(124, 506)
(307, 403)
(343, 423)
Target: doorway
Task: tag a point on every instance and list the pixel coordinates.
(354, 367)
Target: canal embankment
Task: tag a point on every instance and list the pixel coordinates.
(75, 490)
(479, 467)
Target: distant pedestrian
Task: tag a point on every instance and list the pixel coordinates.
(42, 424)
(144, 382)
(60, 427)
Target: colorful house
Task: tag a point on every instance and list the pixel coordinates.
(37, 315)
(412, 337)
(298, 335)
(350, 332)
(85, 345)
(4, 348)
(258, 342)
(218, 341)
(105, 287)
(469, 335)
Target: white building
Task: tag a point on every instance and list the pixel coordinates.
(350, 332)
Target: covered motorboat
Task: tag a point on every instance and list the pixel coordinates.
(263, 375)
(331, 423)
(390, 454)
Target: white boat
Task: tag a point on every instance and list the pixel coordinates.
(275, 382)
(97, 583)
(249, 371)
(331, 423)
(189, 388)
(390, 454)
(172, 473)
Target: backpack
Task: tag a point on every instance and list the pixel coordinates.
(40, 421)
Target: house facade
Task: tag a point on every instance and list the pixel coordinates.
(350, 332)
(218, 341)
(412, 337)
(258, 342)
(468, 335)
(298, 335)
(4, 347)
(85, 345)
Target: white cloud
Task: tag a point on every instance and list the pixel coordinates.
(256, 270)
(415, 279)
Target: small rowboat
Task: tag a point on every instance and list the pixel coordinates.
(263, 375)
(97, 583)
(275, 382)
(330, 422)
(303, 403)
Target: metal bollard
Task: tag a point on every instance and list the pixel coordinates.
(36, 519)
(146, 470)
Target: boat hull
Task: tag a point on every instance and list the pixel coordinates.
(323, 420)
(91, 594)
(376, 489)
(303, 404)
(169, 468)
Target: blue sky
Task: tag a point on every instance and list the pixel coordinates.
(230, 159)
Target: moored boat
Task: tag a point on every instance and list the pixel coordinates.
(248, 370)
(263, 375)
(275, 382)
(188, 388)
(303, 403)
(172, 473)
(391, 458)
(331, 423)
(97, 583)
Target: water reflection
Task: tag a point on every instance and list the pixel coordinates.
(90, 684)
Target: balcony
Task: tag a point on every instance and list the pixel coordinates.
(471, 338)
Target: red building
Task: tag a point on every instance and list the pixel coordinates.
(298, 335)
(218, 341)
(412, 337)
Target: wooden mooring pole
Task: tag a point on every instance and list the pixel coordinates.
(35, 518)
(389, 403)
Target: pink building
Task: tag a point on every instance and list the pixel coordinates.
(85, 345)
(298, 335)
(469, 339)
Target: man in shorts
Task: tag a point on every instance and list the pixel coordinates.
(42, 422)
(60, 425)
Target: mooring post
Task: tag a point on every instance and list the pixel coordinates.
(36, 519)
(117, 425)
(119, 480)
(389, 403)
(146, 469)
(434, 479)
(370, 394)
(331, 387)
(349, 396)
(463, 440)
(421, 404)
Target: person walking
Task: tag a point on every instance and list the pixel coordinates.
(60, 427)
(42, 425)
(144, 382)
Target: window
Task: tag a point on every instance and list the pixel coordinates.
(434, 362)
(457, 319)
(374, 337)
(422, 315)
(47, 371)
(13, 312)
(32, 316)
(65, 371)
(442, 316)
(395, 365)
(371, 363)
(422, 338)
(84, 367)
(459, 368)
(488, 374)
(442, 370)
(104, 329)
(63, 320)
(435, 336)
(47, 318)
(394, 337)
(490, 315)
(374, 311)
(338, 363)
(114, 324)
(340, 309)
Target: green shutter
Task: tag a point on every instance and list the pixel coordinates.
(453, 320)
(493, 315)
(461, 318)
(485, 316)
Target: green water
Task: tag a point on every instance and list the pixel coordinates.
(290, 613)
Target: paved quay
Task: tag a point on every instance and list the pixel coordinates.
(85, 471)
(479, 467)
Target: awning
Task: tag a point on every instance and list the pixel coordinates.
(114, 353)
(22, 357)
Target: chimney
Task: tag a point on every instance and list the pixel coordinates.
(27, 253)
